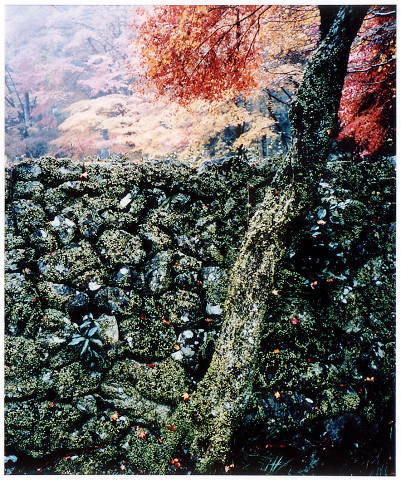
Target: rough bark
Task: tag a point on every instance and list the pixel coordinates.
(314, 110)
(215, 409)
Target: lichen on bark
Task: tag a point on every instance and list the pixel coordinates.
(223, 393)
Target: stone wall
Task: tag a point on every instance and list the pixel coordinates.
(142, 250)
(115, 283)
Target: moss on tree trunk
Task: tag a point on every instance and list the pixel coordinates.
(214, 410)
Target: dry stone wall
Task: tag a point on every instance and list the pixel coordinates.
(142, 252)
(115, 282)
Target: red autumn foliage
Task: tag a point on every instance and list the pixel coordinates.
(367, 110)
(219, 52)
(216, 52)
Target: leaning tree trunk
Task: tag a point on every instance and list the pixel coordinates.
(215, 409)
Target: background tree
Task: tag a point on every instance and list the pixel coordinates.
(367, 109)
(218, 53)
(61, 57)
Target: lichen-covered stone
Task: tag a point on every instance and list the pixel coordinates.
(214, 281)
(90, 223)
(109, 329)
(39, 428)
(186, 263)
(126, 277)
(158, 274)
(13, 259)
(22, 363)
(118, 247)
(29, 215)
(43, 241)
(22, 305)
(74, 380)
(32, 190)
(158, 240)
(120, 392)
(64, 228)
(55, 330)
(147, 339)
(174, 221)
(115, 300)
(76, 265)
(28, 170)
(63, 297)
(60, 170)
(181, 308)
(54, 201)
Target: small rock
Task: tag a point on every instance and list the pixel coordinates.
(109, 329)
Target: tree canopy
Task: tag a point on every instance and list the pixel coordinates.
(216, 53)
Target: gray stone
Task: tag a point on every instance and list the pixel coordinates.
(109, 329)
(118, 301)
(158, 274)
(118, 247)
(28, 170)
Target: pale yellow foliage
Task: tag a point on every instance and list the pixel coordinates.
(135, 126)
(123, 124)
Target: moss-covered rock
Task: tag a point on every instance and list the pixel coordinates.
(22, 360)
(181, 308)
(118, 247)
(76, 265)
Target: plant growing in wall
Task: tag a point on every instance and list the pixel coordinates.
(88, 341)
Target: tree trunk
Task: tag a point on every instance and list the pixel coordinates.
(215, 409)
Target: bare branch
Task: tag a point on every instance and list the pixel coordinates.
(371, 67)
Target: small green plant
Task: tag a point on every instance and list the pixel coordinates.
(88, 340)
